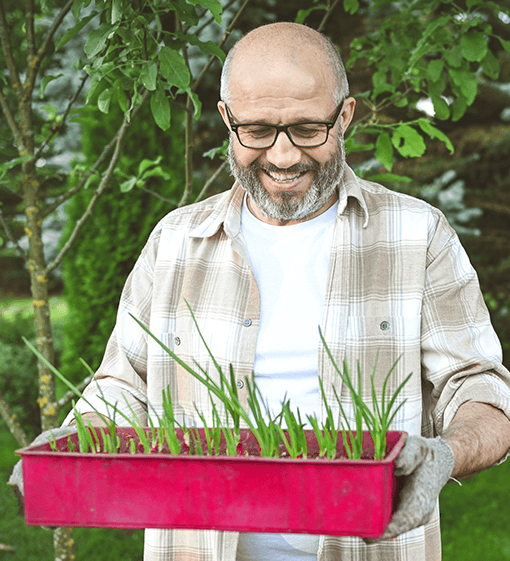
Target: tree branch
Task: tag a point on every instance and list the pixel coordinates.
(326, 16)
(70, 395)
(210, 180)
(12, 123)
(10, 418)
(66, 196)
(7, 48)
(57, 128)
(107, 149)
(174, 203)
(33, 67)
(99, 191)
(223, 41)
(29, 22)
(211, 19)
(11, 237)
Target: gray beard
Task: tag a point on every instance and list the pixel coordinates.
(286, 206)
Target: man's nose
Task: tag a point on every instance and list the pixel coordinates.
(283, 154)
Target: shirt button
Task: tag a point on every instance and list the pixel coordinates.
(385, 326)
(247, 322)
(177, 341)
(240, 384)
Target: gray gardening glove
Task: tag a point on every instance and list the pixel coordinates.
(16, 478)
(428, 464)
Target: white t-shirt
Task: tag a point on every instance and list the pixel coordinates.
(290, 264)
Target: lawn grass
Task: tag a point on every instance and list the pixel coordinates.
(9, 307)
(475, 518)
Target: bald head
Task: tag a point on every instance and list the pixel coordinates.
(285, 44)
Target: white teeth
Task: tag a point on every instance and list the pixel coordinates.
(281, 177)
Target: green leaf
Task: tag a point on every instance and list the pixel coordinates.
(145, 164)
(117, 6)
(186, 12)
(428, 128)
(441, 109)
(384, 150)
(207, 47)
(435, 70)
(505, 44)
(126, 186)
(408, 142)
(474, 46)
(122, 98)
(466, 82)
(45, 82)
(149, 75)
(173, 67)
(303, 14)
(213, 6)
(459, 107)
(222, 150)
(437, 88)
(197, 104)
(490, 66)
(160, 107)
(351, 6)
(69, 34)
(425, 44)
(97, 39)
(103, 101)
(382, 177)
(453, 58)
(13, 163)
(76, 9)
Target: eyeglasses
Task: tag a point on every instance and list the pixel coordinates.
(261, 136)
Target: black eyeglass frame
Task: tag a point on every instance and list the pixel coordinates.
(284, 128)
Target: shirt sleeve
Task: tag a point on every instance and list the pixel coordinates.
(461, 353)
(119, 385)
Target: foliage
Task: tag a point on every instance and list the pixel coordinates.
(18, 371)
(101, 259)
(420, 49)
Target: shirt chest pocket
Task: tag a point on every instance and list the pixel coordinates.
(403, 329)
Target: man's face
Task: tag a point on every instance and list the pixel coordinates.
(287, 203)
(286, 184)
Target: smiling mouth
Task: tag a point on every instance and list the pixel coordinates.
(284, 177)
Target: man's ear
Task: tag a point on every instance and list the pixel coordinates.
(347, 113)
(223, 112)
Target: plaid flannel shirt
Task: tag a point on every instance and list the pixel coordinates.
(400, 286)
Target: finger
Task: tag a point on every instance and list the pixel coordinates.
(412, 455)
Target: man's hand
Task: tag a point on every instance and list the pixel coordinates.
(428, 463)
(94, 419)
(16, 478)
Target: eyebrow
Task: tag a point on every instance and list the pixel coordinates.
(265, 121)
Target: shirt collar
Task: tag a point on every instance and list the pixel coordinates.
(227, 212)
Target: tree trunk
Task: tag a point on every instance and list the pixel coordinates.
(63, 537)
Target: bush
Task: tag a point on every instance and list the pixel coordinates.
(18, 371)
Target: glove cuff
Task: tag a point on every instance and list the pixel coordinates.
(448, 455)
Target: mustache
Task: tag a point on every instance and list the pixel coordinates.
(296, 168)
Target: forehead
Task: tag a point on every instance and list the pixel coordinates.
(272, 88)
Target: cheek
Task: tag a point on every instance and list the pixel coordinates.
(244, 156)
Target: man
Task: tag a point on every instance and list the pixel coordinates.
(298, 242)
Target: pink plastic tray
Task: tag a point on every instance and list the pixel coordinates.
(248, 494)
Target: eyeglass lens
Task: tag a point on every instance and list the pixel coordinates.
(263, 136)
